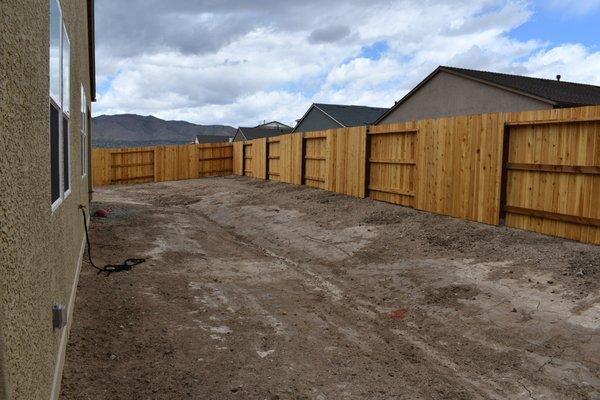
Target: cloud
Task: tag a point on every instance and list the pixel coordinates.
(330, 34)
(238, 62)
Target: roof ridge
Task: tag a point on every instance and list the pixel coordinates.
(347, 105)
(458, 69)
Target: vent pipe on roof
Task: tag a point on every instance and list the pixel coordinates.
(558, 77)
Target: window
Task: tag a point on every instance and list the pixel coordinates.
(59, 110)
(55, 101)
(66, 59)
(84, 133)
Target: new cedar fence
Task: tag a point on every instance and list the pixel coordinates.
(160, 163)
(535, 170)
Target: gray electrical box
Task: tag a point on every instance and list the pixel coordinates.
(59, 316)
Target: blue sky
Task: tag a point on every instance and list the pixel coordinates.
(567, 24)
(237, 62)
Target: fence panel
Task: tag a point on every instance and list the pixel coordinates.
(315, 160)
(459, 166)
(101, 171)
(135, 165)
(553, 179)
(176, 163)
(160, 163)
(290, 163)
(274, 158)
(392, 165)
(248, 159)
(238, 158)
(259, 158)
(215, 160)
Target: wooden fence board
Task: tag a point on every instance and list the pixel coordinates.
(238, 158)
(259, 158)
(248, 159)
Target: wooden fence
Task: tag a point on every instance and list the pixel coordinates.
(535, 170)
(160, 163)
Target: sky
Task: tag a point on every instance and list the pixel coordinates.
(240, 62)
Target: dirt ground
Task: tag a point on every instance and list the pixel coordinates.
(262, 290)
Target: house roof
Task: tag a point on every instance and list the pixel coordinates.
(347, 115)
(557, 93)
(212, 138)
(261, 131)
(280, 124)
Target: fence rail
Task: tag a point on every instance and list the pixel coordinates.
(534, 170)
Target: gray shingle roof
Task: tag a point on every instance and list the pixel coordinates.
(212, 138)
(563, 94)
(351, 115)
(260, 132)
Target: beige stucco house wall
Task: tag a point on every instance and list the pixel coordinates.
(40, 249)
(448, 94)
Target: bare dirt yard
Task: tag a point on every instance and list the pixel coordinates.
(262, 290)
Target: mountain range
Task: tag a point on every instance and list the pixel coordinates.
(129, 130)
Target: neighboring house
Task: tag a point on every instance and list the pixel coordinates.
(212, 139)
(275, 124)
(451, 91)
(47, 83)
(268, 129)
(331, 116)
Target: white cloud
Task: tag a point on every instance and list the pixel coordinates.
(574, 62)
(237, 62)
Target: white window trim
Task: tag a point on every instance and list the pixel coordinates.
(84, 133)
(66, 112)
(61, 113)
(58, 101)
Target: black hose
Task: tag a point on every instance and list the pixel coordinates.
(108, 268)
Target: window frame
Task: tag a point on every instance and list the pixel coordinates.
(57, 103)
(63, 113)
(84, 133)
(66, 113)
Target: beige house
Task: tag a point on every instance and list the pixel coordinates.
(46, 86)
(449, 91)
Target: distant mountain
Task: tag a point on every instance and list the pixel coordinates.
(136, 130)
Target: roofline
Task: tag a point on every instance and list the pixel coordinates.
(324, 112)
(442, 68)
(91, 48)
(314, 105)
(267, 123)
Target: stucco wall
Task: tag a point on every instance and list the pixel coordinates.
(39, 250)
(448, 94)
(316, 121)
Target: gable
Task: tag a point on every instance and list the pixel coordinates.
(239, 137)
(446, 94)
(316, 120)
